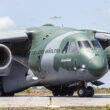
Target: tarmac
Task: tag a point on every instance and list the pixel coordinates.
(99, 100)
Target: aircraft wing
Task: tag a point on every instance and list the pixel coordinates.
(14, 45)
(16, 36)
(102, 36)
(14, 56)
(104, 39)
(17, 42)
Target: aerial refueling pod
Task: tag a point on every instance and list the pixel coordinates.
(5, 57)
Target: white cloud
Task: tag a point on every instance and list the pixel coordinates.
(6, 23)
(106, 10)
(4, 1)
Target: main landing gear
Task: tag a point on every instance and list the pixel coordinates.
(63, 92)
(2, 93)
(81, 88)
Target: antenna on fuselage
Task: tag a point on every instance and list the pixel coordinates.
(57, 18)
(62, 25)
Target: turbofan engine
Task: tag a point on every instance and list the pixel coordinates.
(5, 57)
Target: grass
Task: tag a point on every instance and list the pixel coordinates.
(43, 91)
(102, 90)
(61, 108)
(35, 91)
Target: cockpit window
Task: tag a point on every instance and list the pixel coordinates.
(96, 44)
(65, 48)
(72, 47)
(84, 44)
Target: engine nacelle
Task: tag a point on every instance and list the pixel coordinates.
(5, 57)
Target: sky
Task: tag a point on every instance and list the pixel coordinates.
(81, 14)
(90, 14)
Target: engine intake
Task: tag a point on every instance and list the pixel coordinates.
(5, 57)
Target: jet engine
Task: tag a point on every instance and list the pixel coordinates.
(5, 57)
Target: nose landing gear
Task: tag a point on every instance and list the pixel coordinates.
(85, 92)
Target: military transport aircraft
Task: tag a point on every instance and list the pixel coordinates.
(62, 59)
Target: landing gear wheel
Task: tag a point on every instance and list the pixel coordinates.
(8, 94)
(70, 93)
(90, 91)
(55, 93)
(0, 93)
(63, 93)
(11, 94)
(82, 92)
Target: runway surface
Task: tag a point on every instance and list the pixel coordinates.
(44, 101)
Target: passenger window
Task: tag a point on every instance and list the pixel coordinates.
(72, 47)
(65, 48)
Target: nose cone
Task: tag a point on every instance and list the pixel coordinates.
(98, 66)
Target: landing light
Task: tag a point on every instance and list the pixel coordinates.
(75, 68)
(83, 66)
(34, 78)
